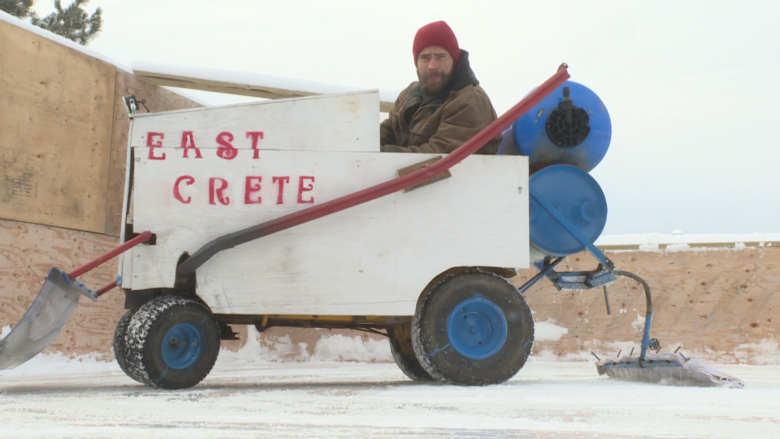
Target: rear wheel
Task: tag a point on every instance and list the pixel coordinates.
(120, 346)
(403, 352)
(172, 342)
(472, 329)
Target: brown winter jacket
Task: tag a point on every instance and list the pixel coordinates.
(444, 122)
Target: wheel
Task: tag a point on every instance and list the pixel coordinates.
(472, 329)
(120, 346)
(172, 342)
(401, 347)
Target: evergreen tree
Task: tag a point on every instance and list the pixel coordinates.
(73, 22)
(18, 8)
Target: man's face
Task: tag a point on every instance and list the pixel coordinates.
(434, 69)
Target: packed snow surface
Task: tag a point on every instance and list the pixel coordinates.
(246, 396)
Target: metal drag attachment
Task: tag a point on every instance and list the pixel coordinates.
(669, 367)
(44, 320)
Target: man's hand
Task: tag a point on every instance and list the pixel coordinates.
(392, 148)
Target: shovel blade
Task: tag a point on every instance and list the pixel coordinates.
(43, 321)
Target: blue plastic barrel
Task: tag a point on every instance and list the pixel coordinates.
(579, 199)
(574, 130)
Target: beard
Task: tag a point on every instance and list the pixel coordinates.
(436, 87)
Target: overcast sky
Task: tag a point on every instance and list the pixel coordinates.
(692, 87)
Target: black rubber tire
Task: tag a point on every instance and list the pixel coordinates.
(400, 337)
(433, 346)
(145, 341)
(120, 346)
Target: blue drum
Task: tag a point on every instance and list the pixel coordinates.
(577, 197)
(570, 126)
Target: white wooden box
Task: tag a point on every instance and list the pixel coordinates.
(372, 259)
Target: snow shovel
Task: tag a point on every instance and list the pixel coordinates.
(52, 308)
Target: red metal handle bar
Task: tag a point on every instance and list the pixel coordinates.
(106, 288)
(110, 255)
(303, 216)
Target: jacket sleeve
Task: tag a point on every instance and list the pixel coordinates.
(461, 120)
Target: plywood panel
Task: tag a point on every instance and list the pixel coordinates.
(28, 251)
(157, 99)
(717, 304)
(56, 108)
(372, 259)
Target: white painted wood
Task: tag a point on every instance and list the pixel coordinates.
(342, 122)
(373, 259)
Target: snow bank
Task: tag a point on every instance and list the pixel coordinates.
(678, 241)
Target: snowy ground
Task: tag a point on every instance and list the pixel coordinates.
(248, 396)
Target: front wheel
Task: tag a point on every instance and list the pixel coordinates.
(472, 329)
(172, 342)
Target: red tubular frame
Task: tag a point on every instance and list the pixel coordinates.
(106, 288)
(143, 237)
(303, 216)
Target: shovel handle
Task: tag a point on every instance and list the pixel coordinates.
(143, 237)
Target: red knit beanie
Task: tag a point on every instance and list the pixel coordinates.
(436, 34)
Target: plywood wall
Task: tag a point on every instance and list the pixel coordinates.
(722, 305)
(55, 119)
(63, 132)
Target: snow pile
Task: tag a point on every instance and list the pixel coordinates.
(765, 353)
(341, 348)
(57, 363)
(548, 331)
(259, 348)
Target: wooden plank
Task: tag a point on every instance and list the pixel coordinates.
(157, 99)
(56, 132)
(371, 259)
(345, 122)
(256, 91)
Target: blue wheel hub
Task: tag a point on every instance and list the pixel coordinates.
(182, 346)
(477, 328)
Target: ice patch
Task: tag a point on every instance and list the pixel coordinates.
(548, 331)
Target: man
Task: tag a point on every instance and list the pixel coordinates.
(446, 107)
